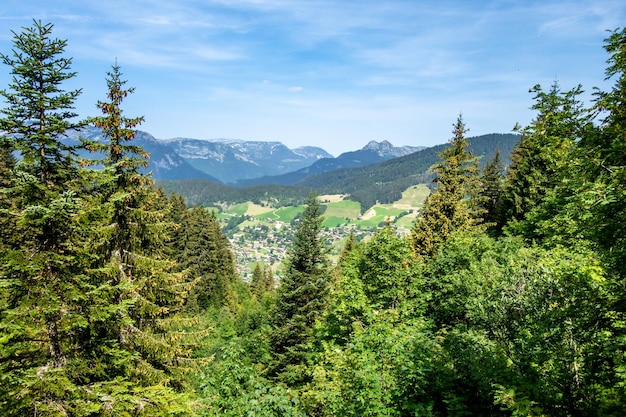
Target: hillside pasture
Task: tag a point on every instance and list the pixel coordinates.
(413, 197)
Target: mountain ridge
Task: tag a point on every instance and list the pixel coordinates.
(231, 159)
(371, 153)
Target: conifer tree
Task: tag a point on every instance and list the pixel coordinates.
(543, 158)
(138, 294)
(491, 182)
(40, 111)
(301, 297)
(43, 286)
(453, 204)
(206, 257)
(269, 279)
(256, 284)
(262, 280)
(347, 247)
(604, 157)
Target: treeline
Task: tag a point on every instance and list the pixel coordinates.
(209, 193)
(384, 182)
(507, 298)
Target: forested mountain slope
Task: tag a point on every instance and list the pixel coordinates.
(384, 182)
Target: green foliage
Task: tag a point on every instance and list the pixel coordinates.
(233, 387)
(301, 297)
(452, 206)
(491, 184)
(383, 371)
(115, 300)
(203, 252)
(44, 291)
(39, 111)
(604, 174)
(262, 281)
(543, 158)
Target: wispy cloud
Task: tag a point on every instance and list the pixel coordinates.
(342, 70)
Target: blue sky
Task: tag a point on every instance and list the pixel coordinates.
(329, 73)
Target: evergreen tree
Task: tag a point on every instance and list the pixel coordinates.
(7, 164)
(44, 301)
(268, 280)
(604, 161)
(262, 281)
(257, 284)
(40, 111)
(347, 247)
(453, 204)
(491, 180)
(543, 159)
(301, 297)
(137, 294)
(206, 257)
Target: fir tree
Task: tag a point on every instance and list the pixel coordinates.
(491, 182)
(262, 281)
(40, 111)
(604, 160)
(347, 247)
(301, 297)
(207, 259)
(543, 158)
(44, 291)
(257, 285)
(453, 204)
(138, 294)
(268, 280)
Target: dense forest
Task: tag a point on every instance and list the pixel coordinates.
(116, 299)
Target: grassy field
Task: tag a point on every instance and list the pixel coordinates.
(339, 211)
(269, 243)
(413, 197)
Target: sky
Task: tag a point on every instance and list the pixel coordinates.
(329, 73)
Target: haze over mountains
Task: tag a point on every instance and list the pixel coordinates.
(245, 163)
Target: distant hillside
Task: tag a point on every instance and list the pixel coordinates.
(232, 160)
(210, 193)
(385, 181)
(371, 153)
(382, 182)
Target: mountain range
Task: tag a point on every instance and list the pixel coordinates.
(244, 163)
(381, 182)
(207, 172)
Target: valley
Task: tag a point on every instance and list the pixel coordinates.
(263, 232)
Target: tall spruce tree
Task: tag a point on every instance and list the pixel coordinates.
(44, 299)
(491, 183)
(206, 257)
(138, 294)
(40, 111)
(604, 156)
(453, 204)
(301, 298)
(543, 159)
